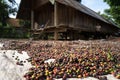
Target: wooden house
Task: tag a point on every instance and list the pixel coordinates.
(64, 19)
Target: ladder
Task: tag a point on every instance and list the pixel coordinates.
(38, 32)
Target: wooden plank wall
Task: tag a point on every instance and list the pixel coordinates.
(69, 17)
(38, 3)
(73, 18)
(64, 15)
(107, 28)
(45, 14)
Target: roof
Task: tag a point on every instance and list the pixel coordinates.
(80, 7)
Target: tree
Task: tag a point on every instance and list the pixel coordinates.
(5, 10)
(79, 0)
(114, 11)
(113, 2)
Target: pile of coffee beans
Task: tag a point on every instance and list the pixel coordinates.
(73, 59)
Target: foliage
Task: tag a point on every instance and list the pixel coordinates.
(114, 10)
(107, 16)
(12, 1)
(25, 23)
(5, 10)
(113, 2)
(79, 0)
(12, 32)
(6, 31)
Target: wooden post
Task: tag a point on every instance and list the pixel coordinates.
(55, 14)
(55, 21)
(35, 25)
(32, 19)
(56, 35)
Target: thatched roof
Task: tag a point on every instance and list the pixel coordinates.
(24, 11)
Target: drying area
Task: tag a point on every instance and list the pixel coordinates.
(18, 57)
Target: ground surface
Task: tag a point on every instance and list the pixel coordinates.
(78, 59)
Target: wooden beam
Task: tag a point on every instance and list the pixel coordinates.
(58, 30)
(56, 35)
(39, 3)
(55, 21)
(55, 14)
(32, 19)
(35, 25)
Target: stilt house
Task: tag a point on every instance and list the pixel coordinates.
(64, 19)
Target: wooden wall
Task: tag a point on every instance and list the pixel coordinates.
(73, 18)
(70, 17)
(38, 3)
(45, 14)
